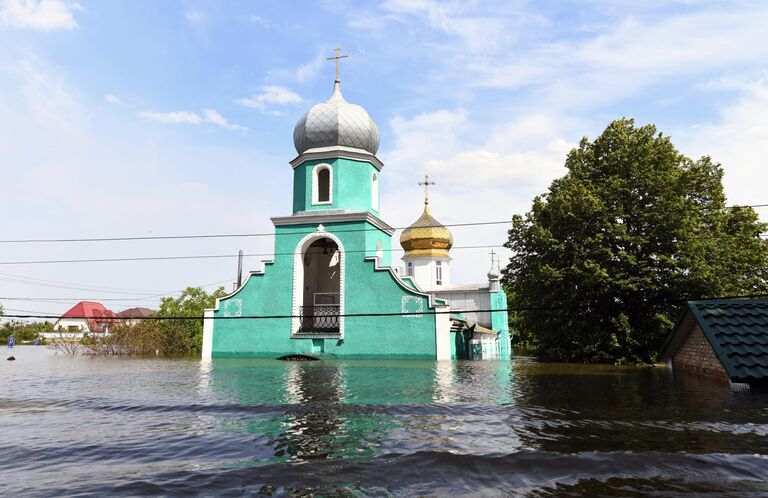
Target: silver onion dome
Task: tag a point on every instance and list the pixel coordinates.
(336, 122)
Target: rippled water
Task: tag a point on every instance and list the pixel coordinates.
(96, 426)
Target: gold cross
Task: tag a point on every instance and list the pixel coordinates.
(336, 58)
(426, 184)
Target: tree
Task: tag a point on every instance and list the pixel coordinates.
(616, 246)
(185, 335)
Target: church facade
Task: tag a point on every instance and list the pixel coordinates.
(332, 287)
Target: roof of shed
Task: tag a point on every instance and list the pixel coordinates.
(737, 330)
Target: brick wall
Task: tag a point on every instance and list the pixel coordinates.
(697, 356)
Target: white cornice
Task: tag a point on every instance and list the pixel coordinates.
(337, 151)
(309, 217)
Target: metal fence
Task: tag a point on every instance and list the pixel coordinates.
(319, 319)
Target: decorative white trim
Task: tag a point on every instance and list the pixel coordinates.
(406, 308)
(233, 307)
(337, 151)
(217, 304)
(313, 217)
(316, 188)
(298, 279)
(432, 299)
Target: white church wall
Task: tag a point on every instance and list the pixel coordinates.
(467, 301)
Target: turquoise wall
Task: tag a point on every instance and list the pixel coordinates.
(366, 291)
(500, 321)
(351, 185)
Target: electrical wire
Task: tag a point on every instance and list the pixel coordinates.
(206, 256)
(270, 234)
(353, 315)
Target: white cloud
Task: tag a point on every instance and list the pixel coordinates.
(739, 141)
(272, 95)
(260, 21)
(489, 180)
(178, 117)
(38, 14)
(213, 116)
(113, 99)
(195, 17)
(310, 69)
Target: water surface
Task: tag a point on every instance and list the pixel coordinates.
(127, 426)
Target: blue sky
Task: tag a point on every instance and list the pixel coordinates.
(176, 117)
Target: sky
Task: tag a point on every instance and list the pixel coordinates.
(145, 118)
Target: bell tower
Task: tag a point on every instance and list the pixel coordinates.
(426, 243)
(337, 168)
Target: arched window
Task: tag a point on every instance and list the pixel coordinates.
(409, 269)
(375, 191)
(322, 184)
(438, 273)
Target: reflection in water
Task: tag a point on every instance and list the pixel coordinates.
(240, 426)
(311, 426)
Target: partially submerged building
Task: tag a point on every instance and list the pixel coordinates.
(723, 340)
(134, 316)
(84, 318)
(332, 287)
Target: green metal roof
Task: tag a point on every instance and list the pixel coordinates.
(737, 330)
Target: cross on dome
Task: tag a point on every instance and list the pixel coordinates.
(336, 58)
(426, 184)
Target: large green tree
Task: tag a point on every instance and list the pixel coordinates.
(604, 259)
(185, 334)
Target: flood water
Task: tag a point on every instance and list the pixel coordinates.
(233, 427)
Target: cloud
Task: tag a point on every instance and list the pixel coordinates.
(43, 15)
(260, 21)
(738, 139)
(310, 69)
(195, 17)
(178, 117)
(112, 99)
(212, 116)
(272, 95)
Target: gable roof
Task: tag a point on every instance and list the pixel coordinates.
(94, 313)
(737, 330)
(135, 313)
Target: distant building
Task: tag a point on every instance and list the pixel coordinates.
(132, 316)
(84, 318)
(724, 340)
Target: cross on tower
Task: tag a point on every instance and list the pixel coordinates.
(426, 184)
(493, 257)
(336, 58)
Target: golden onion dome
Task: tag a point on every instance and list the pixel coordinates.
(427, 237)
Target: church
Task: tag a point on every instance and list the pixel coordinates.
(332, 289)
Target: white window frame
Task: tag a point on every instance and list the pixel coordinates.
(375, 191)
(438, 273)
(316, 186)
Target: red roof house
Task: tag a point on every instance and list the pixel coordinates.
(86, 316)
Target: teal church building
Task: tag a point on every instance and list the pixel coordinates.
(332, 287)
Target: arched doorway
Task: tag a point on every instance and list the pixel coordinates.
(318, 286)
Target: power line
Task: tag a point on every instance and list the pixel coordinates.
(206, 256)
(270, 234)
(234, 235)
(40, 282)
(353, 315)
